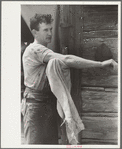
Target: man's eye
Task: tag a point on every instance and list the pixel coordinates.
(46, 30)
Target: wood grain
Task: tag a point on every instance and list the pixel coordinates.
(99, 142)
(99, 128)
(101, 34)
(65, 19)
(100, 89)
(99, 101)
(100, 81)
(93, 88)
(111, 90)
(75, 48)
(107, 20)
(91, 114)
(100, 8)
(92, 45)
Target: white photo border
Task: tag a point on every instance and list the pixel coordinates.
(10, 71)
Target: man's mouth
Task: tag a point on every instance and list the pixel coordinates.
(49, 38)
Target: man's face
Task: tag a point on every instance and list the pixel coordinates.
(44, 35)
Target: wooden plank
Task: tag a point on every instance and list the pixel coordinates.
(70, 15)
(100, 21)
(99, 101)
(96, 42)
(100, 89)
(99, 128)
(102, 73)
(94, 45)
(101, 52)
(63, 37)
(100, 81)
(56, 42)
(101, 34)
(64, 26)
(91, 114)
(75, 43)
(93, 88)
(78, 29)
(98, 142)
(111, 90)
(65, 19)
(100, 8)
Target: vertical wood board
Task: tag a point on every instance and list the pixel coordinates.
(75, 44)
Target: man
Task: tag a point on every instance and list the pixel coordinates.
(40, 117)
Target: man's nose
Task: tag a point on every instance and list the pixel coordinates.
(49, 32)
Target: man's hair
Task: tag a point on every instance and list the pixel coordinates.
(38, 19)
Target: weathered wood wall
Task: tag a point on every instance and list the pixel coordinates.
(92, 33)
(99, 86)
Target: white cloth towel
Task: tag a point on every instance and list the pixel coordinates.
(58, 74)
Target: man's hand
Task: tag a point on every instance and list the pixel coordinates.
(110, 64)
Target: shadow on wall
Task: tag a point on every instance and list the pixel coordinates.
(103, 53)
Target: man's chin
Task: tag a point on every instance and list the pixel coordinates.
(49, 41)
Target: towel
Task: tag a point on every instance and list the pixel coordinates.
(58, 74)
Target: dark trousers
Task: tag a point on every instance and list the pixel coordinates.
(40, 122)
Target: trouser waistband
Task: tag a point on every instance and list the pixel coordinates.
(32, 100)
(36, 94)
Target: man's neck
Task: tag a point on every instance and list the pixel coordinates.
(44, 44)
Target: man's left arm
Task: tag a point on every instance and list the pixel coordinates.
(78, 62)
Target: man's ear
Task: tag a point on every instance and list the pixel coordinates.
(34, 32)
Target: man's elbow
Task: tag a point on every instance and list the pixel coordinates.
(65, 58)
(68, 60)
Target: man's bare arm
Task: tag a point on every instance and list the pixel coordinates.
(77, 62)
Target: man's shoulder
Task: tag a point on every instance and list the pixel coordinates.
(34, 49)
(37, 47)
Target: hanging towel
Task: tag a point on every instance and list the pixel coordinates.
(58, 74)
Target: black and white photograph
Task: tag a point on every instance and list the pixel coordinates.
(64, 81)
